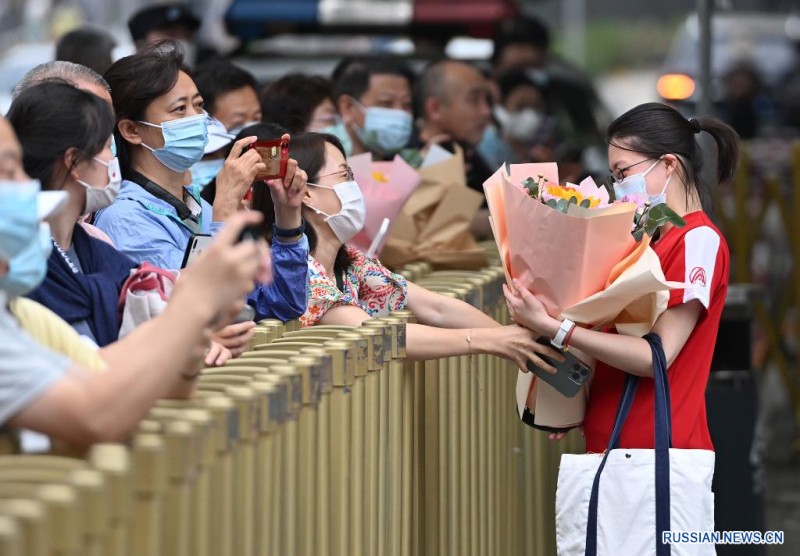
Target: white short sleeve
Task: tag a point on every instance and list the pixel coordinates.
(27, 369)
(701, 248)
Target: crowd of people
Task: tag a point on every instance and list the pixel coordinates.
(111, 168)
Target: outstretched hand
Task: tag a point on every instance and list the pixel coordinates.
(526, 309)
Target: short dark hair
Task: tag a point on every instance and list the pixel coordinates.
(525, 29)
(54, 116)
(217, 77)
(656, 129)
(137, 80)
(291, 100)
(353, 78)
(510, 80)
(88, 47)
(308, 150)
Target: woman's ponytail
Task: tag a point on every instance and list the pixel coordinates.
(727, 146)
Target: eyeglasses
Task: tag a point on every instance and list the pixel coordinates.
(621, 173)
(347, 174)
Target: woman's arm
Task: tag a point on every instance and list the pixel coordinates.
(429, 342)
(626, 353)
(435, 309)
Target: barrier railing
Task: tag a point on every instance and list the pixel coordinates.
(324, 440)
(760, 212)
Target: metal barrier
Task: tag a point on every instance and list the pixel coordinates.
(324, 440)
(762, 207)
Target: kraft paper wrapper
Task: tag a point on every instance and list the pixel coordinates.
(433, 225)
(583, 265)
(382, 199)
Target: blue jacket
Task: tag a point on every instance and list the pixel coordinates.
(148, 229)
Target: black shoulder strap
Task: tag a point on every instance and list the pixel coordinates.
(157, 191)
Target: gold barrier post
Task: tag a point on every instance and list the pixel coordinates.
(224, 438)
(358, 444)
(323, 511)
(382, 346)
(31, 515)
(150, 472)
(340, 439)
(94, 506)
(114, 461)
(10, 537)
(407, 463)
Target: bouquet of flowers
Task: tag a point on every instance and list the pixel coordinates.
(386, 187)
(433, 225)
(585, 256)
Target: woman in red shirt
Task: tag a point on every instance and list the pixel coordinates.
(653, 151)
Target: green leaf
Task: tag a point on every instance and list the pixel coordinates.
(638, 234)
(573, 200)
(552, 203)
(413, 157)
(586, 203)
(562, 205)
(532, 187)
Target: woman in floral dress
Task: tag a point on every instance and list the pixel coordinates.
(345, 287)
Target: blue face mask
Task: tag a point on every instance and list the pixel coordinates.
(205, 171)
(29, 267)
(635, 186)
(386, 130)
(184, 142)
(339, 131)
(19, 217)
(113, 145)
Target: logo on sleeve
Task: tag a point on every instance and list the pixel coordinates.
(698, 276)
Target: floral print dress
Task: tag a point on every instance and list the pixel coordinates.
(367, 284)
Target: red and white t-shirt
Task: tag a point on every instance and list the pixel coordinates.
(698, 256)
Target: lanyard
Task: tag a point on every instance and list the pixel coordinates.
(194, 223)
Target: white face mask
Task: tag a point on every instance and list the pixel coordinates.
(98, 198)
(350, 220)
(522, 125)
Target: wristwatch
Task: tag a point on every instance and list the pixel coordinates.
(562, 334)
(292, 232)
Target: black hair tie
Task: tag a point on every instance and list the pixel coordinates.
(695, 125)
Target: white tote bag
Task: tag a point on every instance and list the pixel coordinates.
(621, 503)
(144, 295)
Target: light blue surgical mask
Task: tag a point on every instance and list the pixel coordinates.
(184, 142)
(205, 171)
(19, 217)
(635, 186)
(113, 145)
(386, 130)
(339, 131)
(28, 268)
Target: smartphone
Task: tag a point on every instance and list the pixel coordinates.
(197, 244)
(246, 314)
(571, 374)
(275, 155)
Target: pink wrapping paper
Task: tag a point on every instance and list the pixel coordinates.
(384, 199)
(563, 258)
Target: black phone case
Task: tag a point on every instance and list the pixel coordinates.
(187, 253)
(571, 374)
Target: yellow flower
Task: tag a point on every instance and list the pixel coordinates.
(380, 177)
(567, 193)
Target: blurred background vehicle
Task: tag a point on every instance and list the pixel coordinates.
(753, 53)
